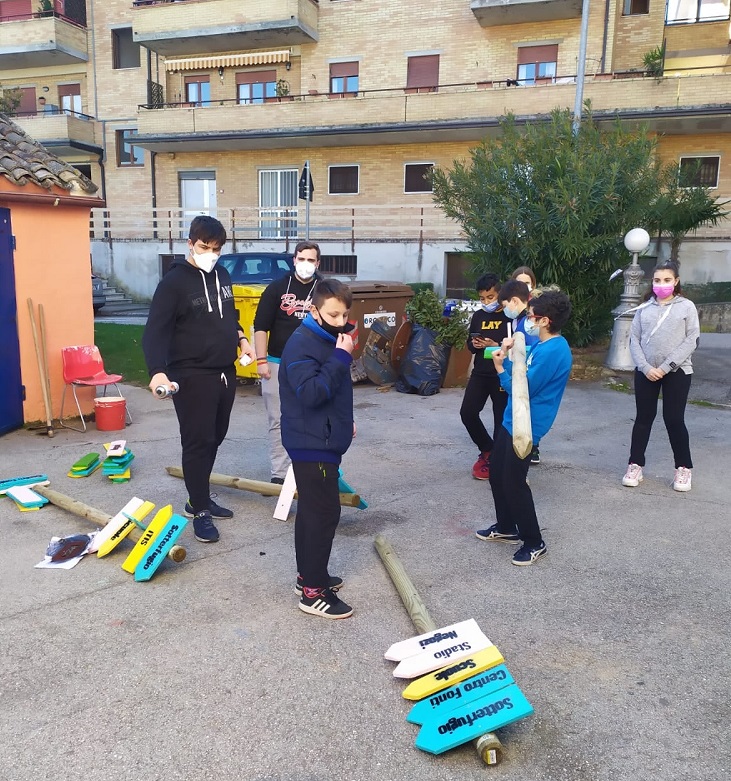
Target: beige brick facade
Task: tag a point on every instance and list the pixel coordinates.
(384, 127)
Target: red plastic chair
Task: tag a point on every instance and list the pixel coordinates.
(83, 365)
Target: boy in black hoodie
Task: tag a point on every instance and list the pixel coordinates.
(191, 339)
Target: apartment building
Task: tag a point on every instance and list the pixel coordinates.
(177, 107)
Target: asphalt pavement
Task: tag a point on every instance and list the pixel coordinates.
(619, 637)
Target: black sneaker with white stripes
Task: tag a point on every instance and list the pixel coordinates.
(323, 602)
(334, 584)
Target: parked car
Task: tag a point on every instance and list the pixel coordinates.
(256, 268)
(98, 296)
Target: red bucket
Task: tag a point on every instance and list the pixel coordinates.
(110, 412)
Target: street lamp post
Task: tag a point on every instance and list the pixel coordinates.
(619, 357)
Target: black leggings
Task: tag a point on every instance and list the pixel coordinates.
(318, 516)
(203, 405)
(479, 389)
(675, 387)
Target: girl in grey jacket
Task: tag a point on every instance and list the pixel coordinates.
(665, 332)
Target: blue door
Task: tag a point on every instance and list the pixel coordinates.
(11, 388)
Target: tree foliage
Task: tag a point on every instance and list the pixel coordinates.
(9, 100)
(560, 202)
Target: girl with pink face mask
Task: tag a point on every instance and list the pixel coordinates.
(665, 332)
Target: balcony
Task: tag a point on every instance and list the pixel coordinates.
(492, 13)
(185, 27)
(64, 134)
(457, 112)
(41, 41)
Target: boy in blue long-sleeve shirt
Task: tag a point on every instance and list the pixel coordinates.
(316, 397)
(548, 369)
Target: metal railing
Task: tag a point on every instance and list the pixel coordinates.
(345, 224)
(75, 14)
(315, 96)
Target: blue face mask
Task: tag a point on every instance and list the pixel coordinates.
(491, 307)
(511, 313)
(531, 328)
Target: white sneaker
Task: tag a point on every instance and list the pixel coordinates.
(633, 476)
(682, 479)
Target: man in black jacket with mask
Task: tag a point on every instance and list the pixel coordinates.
(191, 339)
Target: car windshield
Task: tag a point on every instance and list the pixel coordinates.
(246, 268)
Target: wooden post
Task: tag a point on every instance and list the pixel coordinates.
(97, 517)
(488, 746)
(256, 486)
(522, 434)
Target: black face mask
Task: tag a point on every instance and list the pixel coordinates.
(334, 330)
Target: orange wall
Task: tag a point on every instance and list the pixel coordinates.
(52, 267)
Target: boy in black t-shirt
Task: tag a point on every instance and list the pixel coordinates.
(488, 327)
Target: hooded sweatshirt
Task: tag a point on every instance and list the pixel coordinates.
(664, 336)
(282, 308)
(193, 324)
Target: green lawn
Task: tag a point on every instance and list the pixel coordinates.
(121, 349)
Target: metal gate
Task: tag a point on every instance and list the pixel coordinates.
(11, 389)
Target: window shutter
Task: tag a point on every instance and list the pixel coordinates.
(256, 77)
(422, 71)
(531, 54)
(197, 79)
(69, 89)
(343, 69)
(11, 10)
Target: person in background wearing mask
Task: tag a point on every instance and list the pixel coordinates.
(665, 333)
(317, 429)
(191, 339)
(488, 327)
(282, 308)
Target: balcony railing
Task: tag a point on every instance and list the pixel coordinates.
(345, 224)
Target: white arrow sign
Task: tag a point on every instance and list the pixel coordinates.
(447, 636)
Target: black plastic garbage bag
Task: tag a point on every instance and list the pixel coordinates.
(424, 365)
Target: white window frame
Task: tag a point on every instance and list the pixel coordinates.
(343, 165)
(417, 162)
(700, 157)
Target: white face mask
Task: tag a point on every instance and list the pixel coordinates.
(205, 260)
(305, 269)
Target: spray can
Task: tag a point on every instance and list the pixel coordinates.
(162, 392)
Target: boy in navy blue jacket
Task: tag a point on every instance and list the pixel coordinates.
(316, 395)
(548, 369)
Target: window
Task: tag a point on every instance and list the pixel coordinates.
(343, 179)
(256, 86)
(344, 78)
(537, 64)
(415, 177)
(127, 153)
(346, 265)
(699, 171)
(634, 7)
(69, 98)
(198, 90)
(422, 73)
(278, 203)
(689, 11)
(125, 52)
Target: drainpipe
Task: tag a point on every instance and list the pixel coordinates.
(603, 63)
(153, 185)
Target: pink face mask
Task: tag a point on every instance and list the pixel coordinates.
(663, 291)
